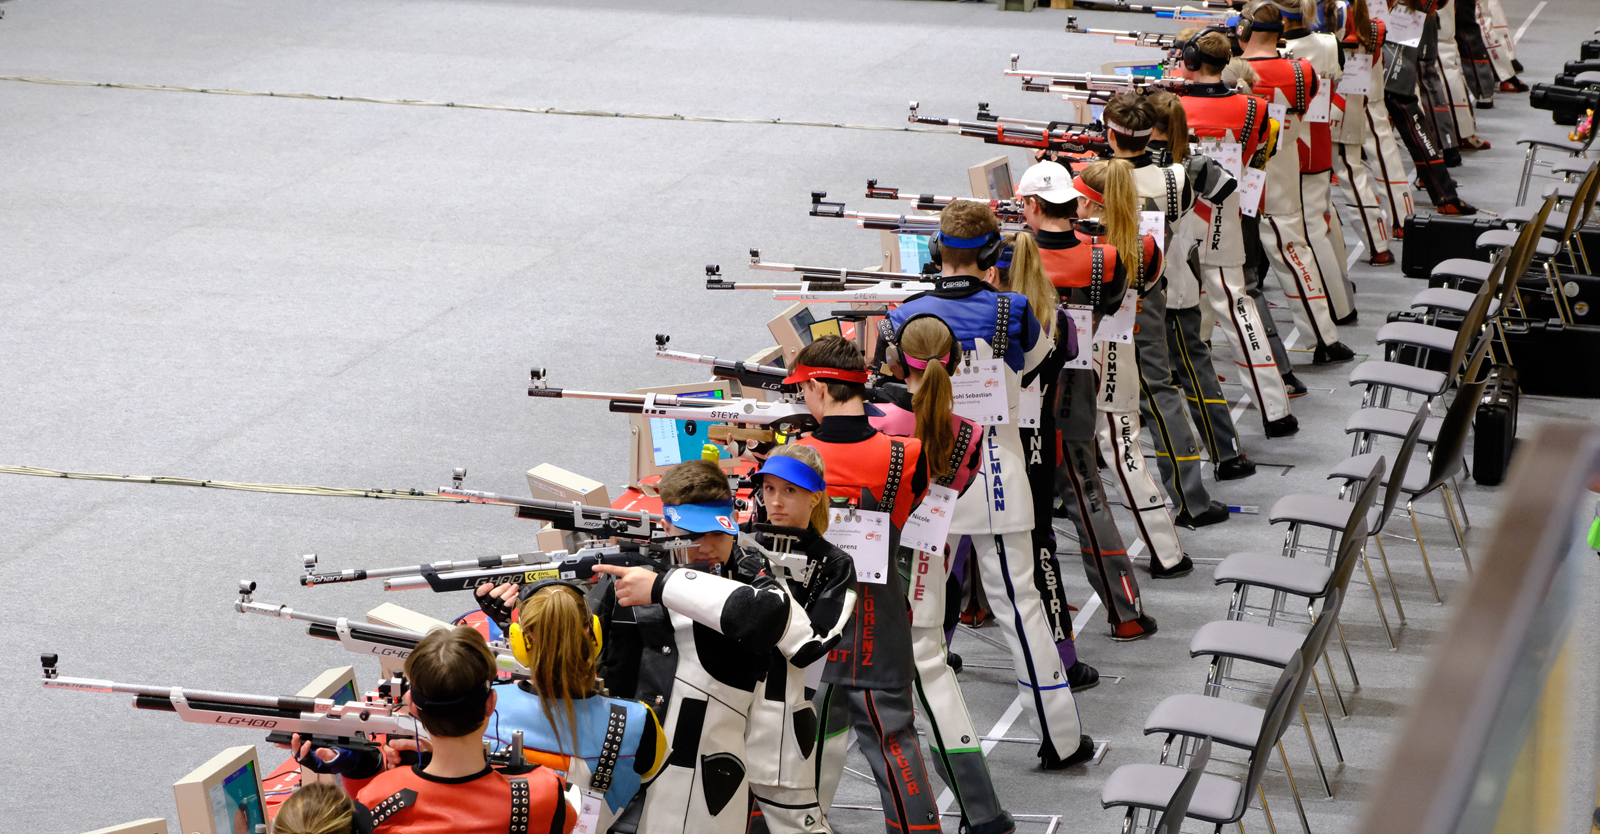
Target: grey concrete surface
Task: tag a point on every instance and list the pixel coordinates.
(292, 291)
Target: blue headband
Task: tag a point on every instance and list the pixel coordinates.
(793, 470)
(964, 242)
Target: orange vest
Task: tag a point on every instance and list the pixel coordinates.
(854, 468)
(1074, 266)
(1212, 117)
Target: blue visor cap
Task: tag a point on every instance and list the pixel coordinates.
(793, 470)
(964, 242)
(715, 517)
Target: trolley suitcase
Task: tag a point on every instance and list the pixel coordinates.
(1554, 359)
(1589, 50)
(1431, 238)
(1494, 426)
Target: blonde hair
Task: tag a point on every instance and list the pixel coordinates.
(555, 623)
(1173, 121)
(812, 458)
(1026, 276)
(1113, 178)
(930, 339)
(1239, 74)
(318, 808)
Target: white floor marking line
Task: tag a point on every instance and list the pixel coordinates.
(1084, 613)
(1524, 27)
(992, 737)
(1355, 254)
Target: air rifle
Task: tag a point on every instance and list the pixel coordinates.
(358, 637)
(1155, 40)
(521, 568)
(1005, 210)
(1196, 11)
(747, 374)
(321, 721)
(814, 278)
(900, 224)
(600, 522)
(1088, 85)
(1021, 133)
(778, 416)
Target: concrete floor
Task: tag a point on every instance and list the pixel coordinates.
(350, 294)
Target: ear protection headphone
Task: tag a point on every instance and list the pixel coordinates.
(988, 248)
(519, 638)
(892, 354)
(1193, 58)
(1248, 26)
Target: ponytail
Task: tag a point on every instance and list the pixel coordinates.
(1360, 19)
(929, 338)
(1174, 121)
(1026, 276)
(1113, 178)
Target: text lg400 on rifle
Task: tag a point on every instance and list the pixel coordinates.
(322, 721)
(358, 637)
(1019, 133)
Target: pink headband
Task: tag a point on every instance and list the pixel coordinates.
(922, 364)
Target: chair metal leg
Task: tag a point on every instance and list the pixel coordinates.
(1355, 680)
(1378, 598)
(1327, 716)
(1394, 592)
(1127, 822)
(1453, 488)
(1455, 528)
(1266, 811)
(1424, 548)
(1315, 756)
(1527, 170)
(1294, 790)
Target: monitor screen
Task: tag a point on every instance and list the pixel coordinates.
(675, 441)
(802, 322)
(1152, 70)
(914, 252)
(345, 693)
(236, 805)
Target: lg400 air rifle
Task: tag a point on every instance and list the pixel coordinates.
(321, 721)
(1198, 11)
(600, 522)
(521, 568)
(1088, 86)
(1021, 133)
(358, 637)
(747, 374)
(1005, 210)
(900, 224)
(814, 278)
(782, 416)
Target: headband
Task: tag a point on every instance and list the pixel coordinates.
(707, 517)
(1004, 261)
(801, 373)
(1088, 191)
(793, 470)
(1126, 131)
(1265, 26)
(946, 239)
(922, 364)
(472, 696)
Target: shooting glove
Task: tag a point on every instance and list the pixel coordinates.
(497, 611)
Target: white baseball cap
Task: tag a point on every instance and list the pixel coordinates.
(1049, 181)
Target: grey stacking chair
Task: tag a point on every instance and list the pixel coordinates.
(1565, 229)
(1286, 576)
(1171, 821)
(1430, 338)
(1302, 510)
(1422, 478)
(1546, 138)
(1382, 377)
(1232, 640)
(1217, 800)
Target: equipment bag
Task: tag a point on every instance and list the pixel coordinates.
(1555, 359)
(1431, 238)
(1494, 426)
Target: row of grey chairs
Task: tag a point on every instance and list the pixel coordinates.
(1204, 719)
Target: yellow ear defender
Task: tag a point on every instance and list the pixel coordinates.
(519, 639)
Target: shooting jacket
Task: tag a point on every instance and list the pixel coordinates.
(1322, 51)
(898, 419)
